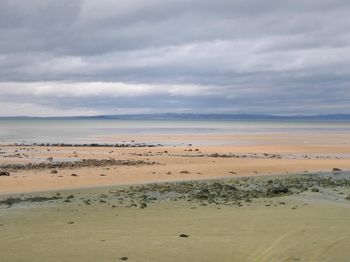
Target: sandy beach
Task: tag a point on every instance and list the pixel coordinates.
(257, 198)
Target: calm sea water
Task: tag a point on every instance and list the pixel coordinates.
(91, 130)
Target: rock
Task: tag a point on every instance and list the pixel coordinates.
(184, 236)
(74, 175)
(185, 172)
(278, 190)
(336, 169)
(314, 189)
(49, 158)
(54, 171)
(143, 205)
(123, 258)
(348, 197)
(4, 173)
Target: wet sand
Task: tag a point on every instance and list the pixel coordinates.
(302, 226)
(248, 155)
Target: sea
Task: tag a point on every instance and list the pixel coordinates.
(29, 131)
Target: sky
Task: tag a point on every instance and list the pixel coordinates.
(94, 57)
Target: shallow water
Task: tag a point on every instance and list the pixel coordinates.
(91, 130)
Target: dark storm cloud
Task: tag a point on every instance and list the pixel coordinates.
(232, 56)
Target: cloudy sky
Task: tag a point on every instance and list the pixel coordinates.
(90, 57)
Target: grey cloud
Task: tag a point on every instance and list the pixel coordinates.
(262, 56)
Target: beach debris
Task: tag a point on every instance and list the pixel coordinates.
(4, 173)
(335, 169)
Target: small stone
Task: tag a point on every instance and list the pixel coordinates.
(336, 169)
(74, 175)
(123, 258)
(184, 236)
(54, 171)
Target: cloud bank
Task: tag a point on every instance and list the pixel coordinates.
(82, 57)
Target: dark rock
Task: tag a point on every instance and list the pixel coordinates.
(278, 190)
(54, 171)
(11, 201)
(4, 173)
(74, 175)
(123, 258)
(336, 169)
(314, 189)
(184, 236)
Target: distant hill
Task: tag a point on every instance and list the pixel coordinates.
(175, 116)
